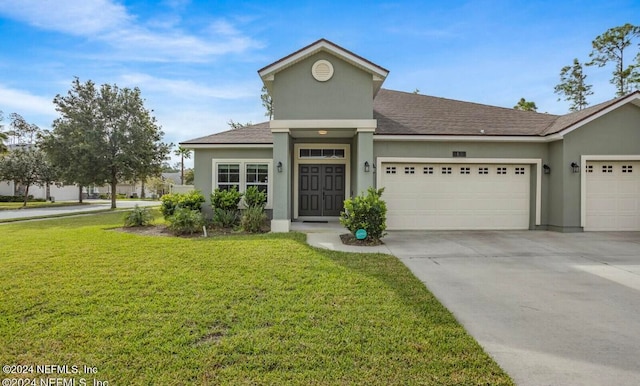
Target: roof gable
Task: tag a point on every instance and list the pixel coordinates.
(378, 73)
(565, 124)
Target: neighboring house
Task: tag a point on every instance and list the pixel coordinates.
(444, 164)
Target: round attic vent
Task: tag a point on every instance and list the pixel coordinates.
(322, 70)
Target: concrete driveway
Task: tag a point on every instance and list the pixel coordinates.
(551, 308)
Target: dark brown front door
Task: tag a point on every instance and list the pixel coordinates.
(321, 190)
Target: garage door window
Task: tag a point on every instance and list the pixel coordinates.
(446, 170)
(483, 170)
(519, 170)
(427, 170)
(627, 169)
(502, 170)
(409, 170)
(607, 168)
(391, 170)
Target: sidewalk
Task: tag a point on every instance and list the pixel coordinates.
(327, 236)
(92, 206)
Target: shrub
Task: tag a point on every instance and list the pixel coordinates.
(225, 207)
(185, 221)
(20, 199)
(253, 197)
(253, 219)
(225, 218)
(366, 212)
(226, 199)
(170, 202)
(138, 217)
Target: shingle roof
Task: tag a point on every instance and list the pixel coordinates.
(400, 113)
(254, 134)
(565, 121)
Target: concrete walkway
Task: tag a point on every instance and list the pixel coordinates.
(93, 205)
(327, 236)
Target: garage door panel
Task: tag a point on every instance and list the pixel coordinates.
(470, 197)
(612, 196)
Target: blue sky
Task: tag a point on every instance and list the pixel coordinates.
(196, 62)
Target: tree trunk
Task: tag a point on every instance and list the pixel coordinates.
(182, 169)
(114, 183)
(80, 194)
(26, 195)
(142, 195)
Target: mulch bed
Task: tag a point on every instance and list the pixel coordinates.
(349, 239)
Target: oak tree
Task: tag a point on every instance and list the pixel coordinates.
(105, 135)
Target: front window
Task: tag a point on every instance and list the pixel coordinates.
(257, 175)
(241, 174)
(228, 176)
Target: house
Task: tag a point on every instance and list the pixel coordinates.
(444, 164)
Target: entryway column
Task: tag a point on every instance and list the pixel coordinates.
(365, 163)
(282, 176)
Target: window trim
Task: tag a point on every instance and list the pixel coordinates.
(243, 174)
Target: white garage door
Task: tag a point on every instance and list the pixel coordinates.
(613, 196)
(456, 196)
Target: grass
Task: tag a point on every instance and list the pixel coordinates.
(264, 309)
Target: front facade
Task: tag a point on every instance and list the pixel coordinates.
(444, 164)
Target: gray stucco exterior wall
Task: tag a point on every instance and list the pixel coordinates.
(203, 166)
(347, 95)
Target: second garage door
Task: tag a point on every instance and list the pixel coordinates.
(456, 196)
(613, 196)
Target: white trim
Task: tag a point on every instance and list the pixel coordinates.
(530, 161)
(278, 130)
(464, 138)
(583, 178)
(346, 161)
(320, 77)
(228, 146)
(280, 226)
(323, 46)
(322, 124)
(243, 174)
(620, 103)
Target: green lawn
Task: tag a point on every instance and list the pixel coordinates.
(262, 309)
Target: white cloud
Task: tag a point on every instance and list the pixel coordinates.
(131, 38)
(76, 17)
(25, 103)
(187, 89)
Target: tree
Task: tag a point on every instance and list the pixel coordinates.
(107, 133)
(3, 135)
(189, 177)
(27, 165)
(416, 91)
(183, 153)
(525, 105)
(611, 47)
(22, 131)
(237, 125)
(267, 102)
(572, 85)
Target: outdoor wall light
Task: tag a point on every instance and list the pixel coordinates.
(575, 168)
(279, 166)
(366, 166)
(546, 168)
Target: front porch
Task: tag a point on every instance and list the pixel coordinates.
(319, 164)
